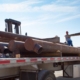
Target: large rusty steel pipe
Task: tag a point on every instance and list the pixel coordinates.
(7, 36)
(16, 46)
(45, 46)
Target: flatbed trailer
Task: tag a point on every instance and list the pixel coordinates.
(35, 68)
(40, 68)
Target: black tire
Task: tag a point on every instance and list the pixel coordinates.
(46, 75)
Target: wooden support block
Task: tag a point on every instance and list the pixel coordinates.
(17, 55)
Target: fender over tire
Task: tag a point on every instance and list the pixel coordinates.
(46, 75)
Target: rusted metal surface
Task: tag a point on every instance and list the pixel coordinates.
(16, 46)
(75, 34)
(45, 46)
(54, 39)
(7, 36)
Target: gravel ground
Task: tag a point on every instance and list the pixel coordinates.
(58, 74)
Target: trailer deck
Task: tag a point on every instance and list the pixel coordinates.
(13, 62)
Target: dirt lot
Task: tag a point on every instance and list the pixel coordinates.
(58, 74)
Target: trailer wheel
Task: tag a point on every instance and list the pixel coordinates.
(46, 75)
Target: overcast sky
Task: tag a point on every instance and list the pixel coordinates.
(43, 18)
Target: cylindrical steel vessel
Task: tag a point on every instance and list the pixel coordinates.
(7, 36)
(40, 46)
(16, 46)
